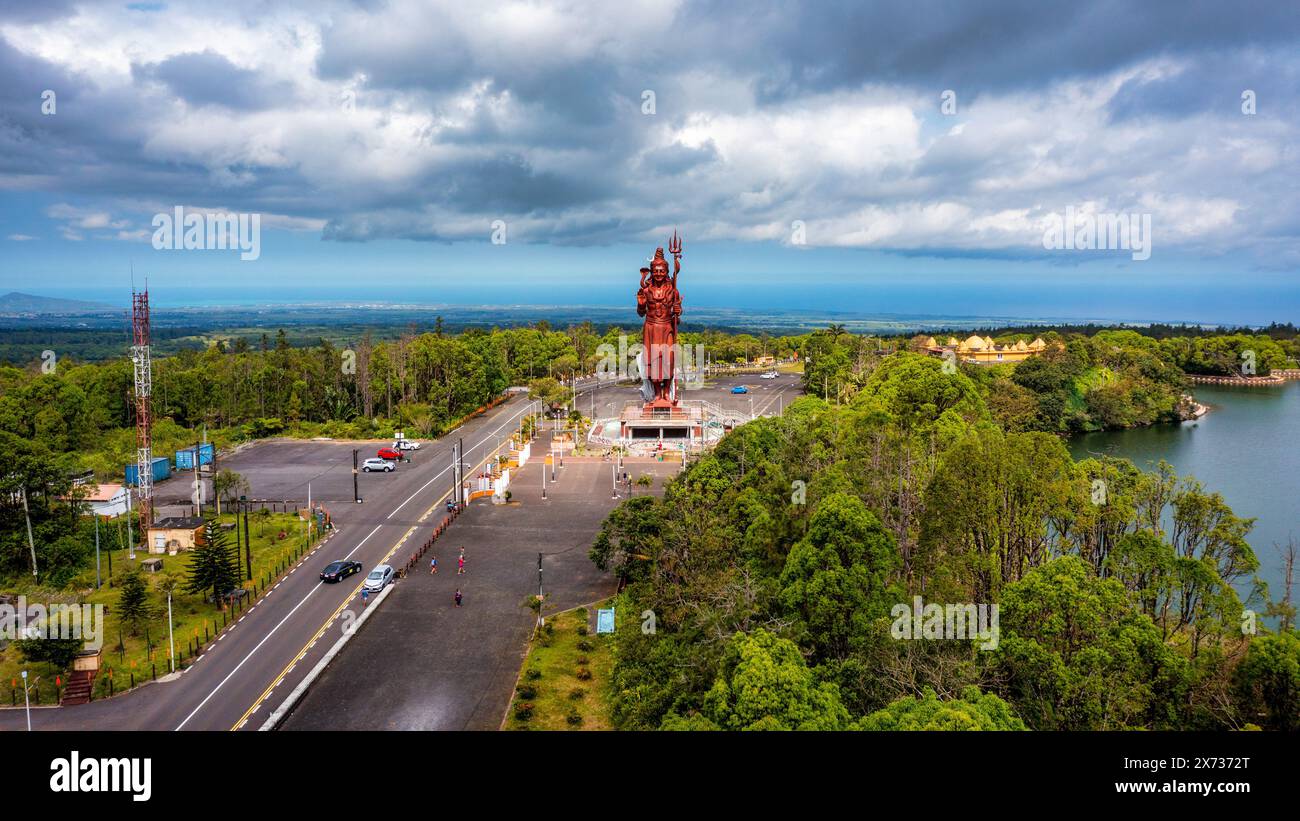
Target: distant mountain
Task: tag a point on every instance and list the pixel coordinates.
(19, 304)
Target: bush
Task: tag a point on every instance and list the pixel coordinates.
(583, 674)
(526, 691)
(533, 674)
(585, 646)
(582, 629)
(574, 718)
(523, 710)
(577, 694)
(583, 661)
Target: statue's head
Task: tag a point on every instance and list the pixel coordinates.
(659, 267)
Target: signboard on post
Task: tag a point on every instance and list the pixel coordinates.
(605, 621)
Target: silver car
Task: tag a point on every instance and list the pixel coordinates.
(379, 578)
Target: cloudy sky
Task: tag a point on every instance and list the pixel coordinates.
(876, 157)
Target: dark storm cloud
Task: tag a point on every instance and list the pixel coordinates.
(34, 11)
(980, 47)
(208, 78)
(532, 113)
(1213, 83)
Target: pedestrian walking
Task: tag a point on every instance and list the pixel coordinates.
(458, 597)
(365, 597)
(433, 565)
(460, 566)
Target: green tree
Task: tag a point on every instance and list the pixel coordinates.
(133, 601)
(212, 564)
(1076, 654)
(835, 578)
(973, 711)
(764, 684)
(1267, 682)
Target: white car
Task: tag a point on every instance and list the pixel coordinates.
(406, 444)
(769, 375)
(379, 578)
(377, 464)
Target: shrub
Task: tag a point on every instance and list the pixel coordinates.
(582, 629)
(533, 674)
(583, 674)
(577, 694)
(583, 661)
(526, 691)
(574, 718)
(585, 646)
(523, 710)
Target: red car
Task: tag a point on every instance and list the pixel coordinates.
(390, 454)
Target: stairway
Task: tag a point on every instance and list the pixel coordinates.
(79, 686)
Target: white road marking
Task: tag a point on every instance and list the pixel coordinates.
(313, 591)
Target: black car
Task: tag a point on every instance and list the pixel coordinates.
(340, 570)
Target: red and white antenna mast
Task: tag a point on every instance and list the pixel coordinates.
(143, 410)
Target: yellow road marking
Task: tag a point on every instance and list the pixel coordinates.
(329, 621)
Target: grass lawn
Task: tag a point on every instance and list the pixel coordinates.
(139, 654)
(560, 698)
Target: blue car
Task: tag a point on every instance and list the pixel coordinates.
(740, 389)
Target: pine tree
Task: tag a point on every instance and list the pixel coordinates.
(212, 568)
(133, 602)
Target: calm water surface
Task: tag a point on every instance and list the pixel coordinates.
(1246, 448)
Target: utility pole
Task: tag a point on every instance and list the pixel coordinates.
(455, 460)
(248, 540)
(198, 485)
(98, 582)
(460, 465)
(130, 540)
(356, 496)
(239, 548)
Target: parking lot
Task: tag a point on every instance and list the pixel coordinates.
(763, 397)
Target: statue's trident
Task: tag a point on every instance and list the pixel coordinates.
(675, 248)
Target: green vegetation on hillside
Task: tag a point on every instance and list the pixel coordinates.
(774, 566)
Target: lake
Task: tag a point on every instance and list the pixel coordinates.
(1246, 448)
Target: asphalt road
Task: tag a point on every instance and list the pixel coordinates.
(420, 662)
(245, 674)
(278, 640)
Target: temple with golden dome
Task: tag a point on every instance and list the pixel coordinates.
(982, 350)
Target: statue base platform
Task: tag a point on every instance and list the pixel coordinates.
(693, 425)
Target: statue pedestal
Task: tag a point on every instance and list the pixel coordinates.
(662, 421)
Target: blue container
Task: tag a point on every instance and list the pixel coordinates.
(161, 470)
(185, 458)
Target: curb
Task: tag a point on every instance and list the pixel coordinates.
(281, 712)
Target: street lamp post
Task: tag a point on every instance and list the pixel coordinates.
(171, 636)
(27, 702)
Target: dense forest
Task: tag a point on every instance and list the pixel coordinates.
(1082, 382)
(77, 416)
(770, 571)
